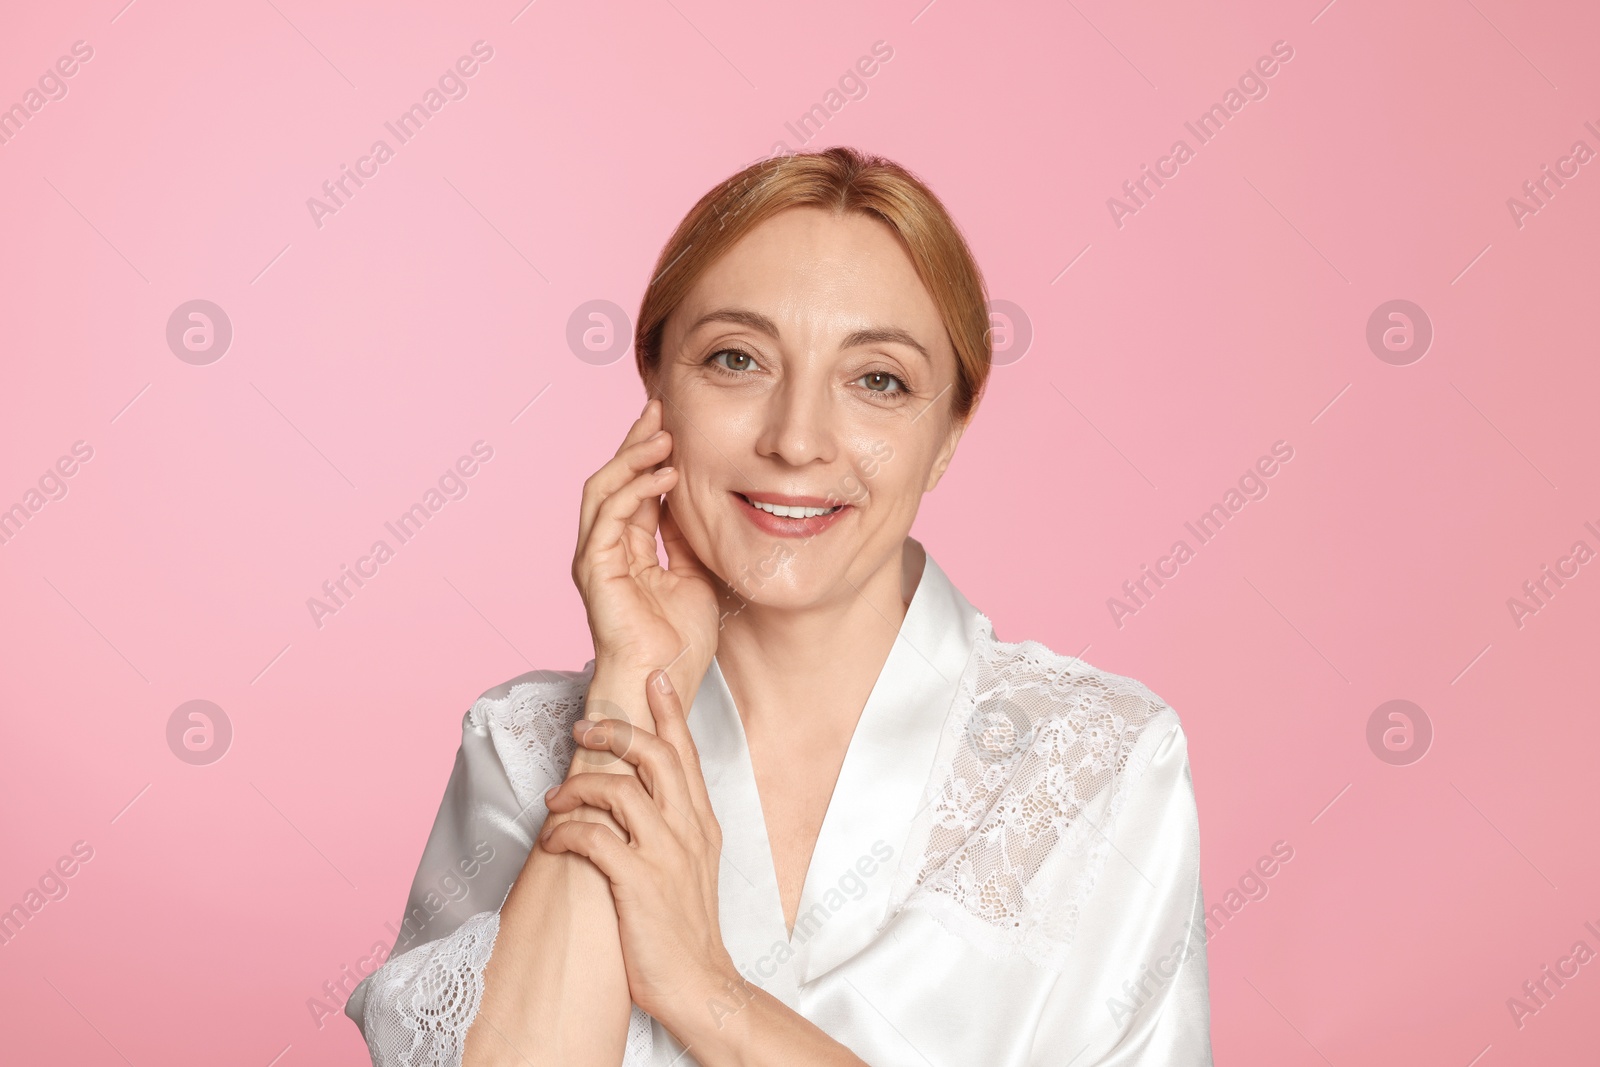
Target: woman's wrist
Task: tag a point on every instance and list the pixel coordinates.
(617, 691)
(705, 1004)
(617, 687)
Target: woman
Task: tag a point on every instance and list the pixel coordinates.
(803, 806)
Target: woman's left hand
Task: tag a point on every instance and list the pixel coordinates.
(664, 878)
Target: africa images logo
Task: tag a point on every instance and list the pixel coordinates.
(452, 85)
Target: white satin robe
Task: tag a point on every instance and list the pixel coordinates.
(1007, 875)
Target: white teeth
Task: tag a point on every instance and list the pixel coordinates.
(786, 511)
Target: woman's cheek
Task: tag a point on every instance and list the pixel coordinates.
(882, 464)
(852, 490)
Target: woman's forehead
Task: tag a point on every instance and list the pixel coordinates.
(809, 271)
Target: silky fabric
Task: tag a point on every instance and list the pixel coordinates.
(1007, 873)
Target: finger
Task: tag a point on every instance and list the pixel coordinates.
(617, 472)
(672, 727)
(611, 521)
(616, 860)
(660, 771)
(640, 531)
(648, 422)
(623, 795)
(645, 520)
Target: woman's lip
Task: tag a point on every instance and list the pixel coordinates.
(782, 527)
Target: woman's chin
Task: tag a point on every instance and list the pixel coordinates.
(771, 581)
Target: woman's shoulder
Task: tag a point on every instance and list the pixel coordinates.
(1040, 690)
(1026, 798)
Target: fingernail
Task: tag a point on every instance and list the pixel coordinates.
(663, 472)
(663, 683)
(581, 727)
(552, 791)
(549, 828)
(655, 435)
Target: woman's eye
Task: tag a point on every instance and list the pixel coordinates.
(882, 382)
(733, 359)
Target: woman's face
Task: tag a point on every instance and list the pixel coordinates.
(808, 369)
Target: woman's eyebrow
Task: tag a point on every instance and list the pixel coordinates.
(740, 317)
(886, 334)
(759, 322)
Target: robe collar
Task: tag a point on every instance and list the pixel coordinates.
(865, 834)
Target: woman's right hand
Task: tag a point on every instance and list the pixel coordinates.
(642, 615)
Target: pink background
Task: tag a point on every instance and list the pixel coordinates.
(368, 354)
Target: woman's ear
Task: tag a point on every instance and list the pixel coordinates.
(947, 452)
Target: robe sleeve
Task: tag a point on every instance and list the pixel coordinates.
(1143, 926)
(515, 744)
(417, 1007)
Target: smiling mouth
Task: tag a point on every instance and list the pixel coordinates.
(790, 511)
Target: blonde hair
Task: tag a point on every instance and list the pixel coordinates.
(842, 180)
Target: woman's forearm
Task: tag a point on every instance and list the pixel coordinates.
(555, 991)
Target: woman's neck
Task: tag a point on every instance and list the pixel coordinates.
(817, 666)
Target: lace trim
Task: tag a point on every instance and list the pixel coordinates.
(1025, 793)
(422, 1002)
(531, 724)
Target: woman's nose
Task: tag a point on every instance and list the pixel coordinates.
(798, 427)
